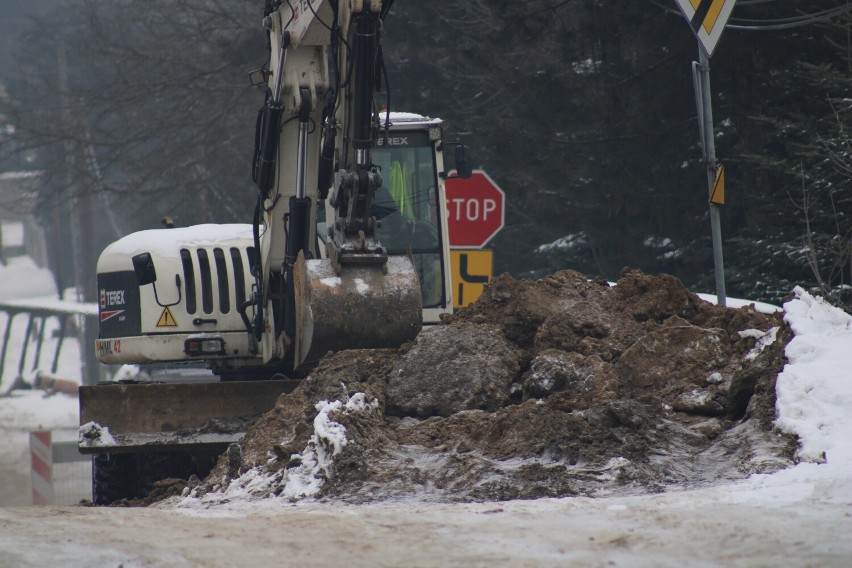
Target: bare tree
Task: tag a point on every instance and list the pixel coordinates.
(144, 102)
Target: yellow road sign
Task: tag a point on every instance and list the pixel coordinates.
(166, 319)
(471, 270)
(717, 196)
(707, 18)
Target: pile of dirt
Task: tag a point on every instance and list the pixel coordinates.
(554, 387)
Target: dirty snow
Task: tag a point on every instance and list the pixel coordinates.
(315, 462)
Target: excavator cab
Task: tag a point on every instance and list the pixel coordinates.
(406, 209)
(410, 206)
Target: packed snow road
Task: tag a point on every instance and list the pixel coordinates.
(781, 523)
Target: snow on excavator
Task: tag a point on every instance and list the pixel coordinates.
(348, 248)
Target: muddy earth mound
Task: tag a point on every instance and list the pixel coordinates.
(555, 387)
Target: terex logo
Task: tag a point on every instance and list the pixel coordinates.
(394, 141)
(112, 298)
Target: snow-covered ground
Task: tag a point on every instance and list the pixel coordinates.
(801, 516)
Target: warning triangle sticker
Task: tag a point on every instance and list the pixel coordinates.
(166, 319)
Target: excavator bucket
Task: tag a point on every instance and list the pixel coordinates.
(367, 306)
(119, 417)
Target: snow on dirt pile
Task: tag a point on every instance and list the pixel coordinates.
(554, 387)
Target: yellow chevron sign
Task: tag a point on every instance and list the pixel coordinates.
(707, 18)
(471, 270)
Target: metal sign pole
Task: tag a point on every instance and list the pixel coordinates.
(705, 115)
(707, 19)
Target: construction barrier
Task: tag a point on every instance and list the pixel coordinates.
(43, 326)
(60, 474)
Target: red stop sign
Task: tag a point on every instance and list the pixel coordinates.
(475, 210)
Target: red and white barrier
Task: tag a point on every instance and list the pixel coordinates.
(41, 460)
(56, 478)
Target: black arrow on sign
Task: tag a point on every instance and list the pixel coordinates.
(470, 278)
(467, 277)
(700, 14)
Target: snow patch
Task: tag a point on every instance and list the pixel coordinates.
(93, 435)
(18, 175)
(764, 339)
(567, 242)
(22, 278)
(317, 459)
(715, 378)
(586, 67)
(814, 391)
(311, 467)
(657, 242)
(362, 287)
(12, 234)
(736, 303)
(612, 468)
(126, 373)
